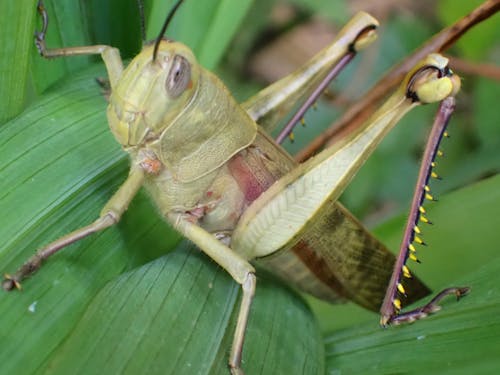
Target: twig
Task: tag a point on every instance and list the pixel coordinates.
(481, 69)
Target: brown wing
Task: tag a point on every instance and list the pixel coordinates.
(336, 258)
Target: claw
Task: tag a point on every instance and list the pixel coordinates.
(40, 35)
(9, 283)
(422, 312)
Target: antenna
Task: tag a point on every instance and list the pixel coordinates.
(164, 27)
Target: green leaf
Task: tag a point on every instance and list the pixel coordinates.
(16, 43)
(333, 10)
(106, 21)
(176, 315)
(206, 26)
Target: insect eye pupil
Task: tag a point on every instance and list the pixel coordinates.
(179, 77)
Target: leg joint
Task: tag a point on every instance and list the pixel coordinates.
(249, 284)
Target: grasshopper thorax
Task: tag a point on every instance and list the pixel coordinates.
(151, 93)
(178, 111)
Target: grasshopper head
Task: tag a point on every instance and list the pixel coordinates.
(151, 93)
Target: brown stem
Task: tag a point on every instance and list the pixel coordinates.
(480, 69)
(358, 113)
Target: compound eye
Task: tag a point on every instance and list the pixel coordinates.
(179, 77)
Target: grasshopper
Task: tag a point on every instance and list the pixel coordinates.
(238, 195)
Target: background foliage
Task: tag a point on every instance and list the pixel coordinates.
(115, 303)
